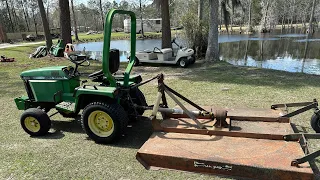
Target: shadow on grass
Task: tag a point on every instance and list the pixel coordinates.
(223, 72)
(137, 132)
(51, 135)
(72, 126)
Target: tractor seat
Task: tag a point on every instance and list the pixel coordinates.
(99, 77)
(114, 64)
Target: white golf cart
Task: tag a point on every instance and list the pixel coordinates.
(180, 56)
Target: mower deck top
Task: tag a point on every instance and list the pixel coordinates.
(225, 155)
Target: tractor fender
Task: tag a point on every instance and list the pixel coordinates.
(88, 94)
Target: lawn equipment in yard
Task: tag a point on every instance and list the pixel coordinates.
(58, 50)
(106, 104)
(250, 143)
(5, 59)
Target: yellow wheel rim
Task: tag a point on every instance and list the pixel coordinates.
(32, 124)
(100, 123)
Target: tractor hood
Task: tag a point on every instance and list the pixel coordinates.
(55, 72)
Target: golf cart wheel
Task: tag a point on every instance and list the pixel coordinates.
(136, 62)
(35, 122)
(139, 99)
(183, 62)
(315, 122)
(104, 123)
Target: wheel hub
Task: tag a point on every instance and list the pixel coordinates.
(32, 124)
(182, 63)
(100, 123)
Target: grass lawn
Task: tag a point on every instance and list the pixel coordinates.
(67, 153)
(114, 35)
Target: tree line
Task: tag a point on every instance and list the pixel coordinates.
(202, 19)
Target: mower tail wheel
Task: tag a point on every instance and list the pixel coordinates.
(104, 123)
(183, 62)
(35, 122)
(315, 122)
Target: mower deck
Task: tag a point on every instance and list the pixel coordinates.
(258, 158)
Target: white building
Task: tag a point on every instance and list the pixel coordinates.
(149, 25)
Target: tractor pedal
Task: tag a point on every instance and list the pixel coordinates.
(66, 106)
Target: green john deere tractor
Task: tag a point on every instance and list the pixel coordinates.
(107, 103)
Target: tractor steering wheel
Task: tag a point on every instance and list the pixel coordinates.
(156, 48)
(78, 60)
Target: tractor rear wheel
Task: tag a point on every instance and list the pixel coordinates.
(315, 122)
(104, 123)
(139, 99)
(35, 122)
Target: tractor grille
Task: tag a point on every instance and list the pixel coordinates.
(28, 89)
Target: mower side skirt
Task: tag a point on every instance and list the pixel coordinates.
(231, 156)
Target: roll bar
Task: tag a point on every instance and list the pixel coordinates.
(106, 46)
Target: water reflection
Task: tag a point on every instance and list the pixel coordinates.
(287, 52)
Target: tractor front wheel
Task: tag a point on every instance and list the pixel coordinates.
(35, 122)
(104, 123)
(315, 122)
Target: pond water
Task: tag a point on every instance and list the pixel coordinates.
(281, 51)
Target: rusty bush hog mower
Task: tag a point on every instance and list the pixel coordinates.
(251, 143)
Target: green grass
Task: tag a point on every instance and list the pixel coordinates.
(119, 35)
(69, 154)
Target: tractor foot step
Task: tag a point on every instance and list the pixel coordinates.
(66, 106)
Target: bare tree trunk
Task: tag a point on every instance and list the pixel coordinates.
(198, 44)
(65, 23)
(311, 30)
(220, 18)
(200, 10)
(25, 15)
(166, 31)
(101, 14)
(231, 23)
(212, 53)
(15, 17)
(292, 13)
(47, 11)
(3, 34)
(265, 16)
(249, 21)
(10, 19)
(142, 31)
(35, 22)
(74, 22)
(45, 24)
